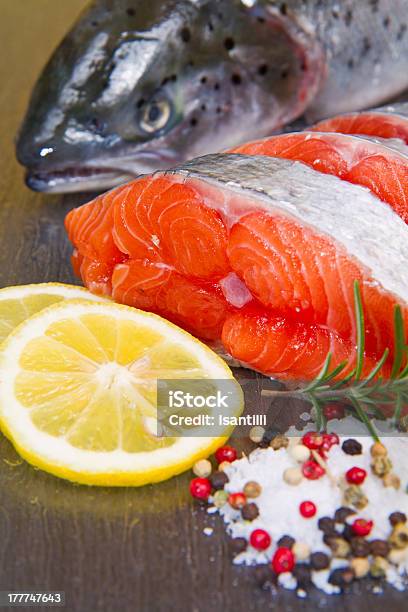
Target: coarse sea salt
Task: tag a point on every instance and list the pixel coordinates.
(279, 503)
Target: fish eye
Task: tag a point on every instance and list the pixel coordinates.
(155, 115)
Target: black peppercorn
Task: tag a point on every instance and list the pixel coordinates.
(238, 545)
(286, 541)
(360, 547)
(328, 539)
(341, 576)
(342, 514)
(218, 480)
(352, 447)
(348, 533)
(249, 512)
(319, 561)
(302, 573)
(397, 517)
(380, 548)
(267, 437)
(327, 525)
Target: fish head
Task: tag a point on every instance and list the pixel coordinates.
(141, 85)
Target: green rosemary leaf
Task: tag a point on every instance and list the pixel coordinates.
(403, 375)
(364, 418)
(320, 419)
(321, 376)
(376, 369)
(398, 408)
(343, 382)
(335, 372)
(399, 342)
(360, 330)
(377, 413)
(363, 396)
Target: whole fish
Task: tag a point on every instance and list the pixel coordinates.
(140, 85)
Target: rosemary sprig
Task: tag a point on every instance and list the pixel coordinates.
(364, 396)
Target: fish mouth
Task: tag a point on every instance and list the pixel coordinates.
(75, 178)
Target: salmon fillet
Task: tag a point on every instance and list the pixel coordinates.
(387, 122)
(256, 253)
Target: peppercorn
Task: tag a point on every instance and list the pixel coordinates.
(283, 560)
(238, 545)
(237, 500)
(279, 441)
(292, 476)
(267, 437)
(286, 541)
(360, 566)
(301, 551)
(202, 468)
(313, 440)
(378, 450)
(256, 434)
(360, 547)
(356, 475)
(303, 574)
(260, 539)
(354, 496)
(342, 576)
(223, 465)
(329, 440)
(397, 517)
(378, 568)
(380, 548)
(200, 488)
(339, 547)
(220, 498)
(226, 453)
(348, 533)
(300, 453)
(249, 512)
(342, 514)
(307, 509)
(264, 576)
(327, 525)
(381, 465)
(391, 480)
(362, 527)
(319, 561)
(218, 480)
(252, 489)
(312, 470)
(352, 447)
(399, 536)
(334, 410)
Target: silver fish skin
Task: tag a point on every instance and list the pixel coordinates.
(379, 241)
(141, 85)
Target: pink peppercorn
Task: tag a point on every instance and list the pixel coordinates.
(260, 539)
(283, 560)
(307, 509)
(356, 475)
(200, 488)
(361, 527)
(226, 453)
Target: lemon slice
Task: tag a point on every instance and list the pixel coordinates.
(19, 303)
(78, 393)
